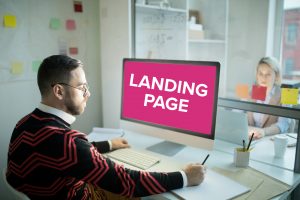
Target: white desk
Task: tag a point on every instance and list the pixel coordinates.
(221, 156)
(263, 151)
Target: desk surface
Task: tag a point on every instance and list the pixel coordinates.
(221, 156)
(263, 151)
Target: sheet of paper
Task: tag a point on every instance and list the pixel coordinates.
(242, 91)
(262, 186)
(62, 46)
(259, 92)
(289, 96)
(215, 186)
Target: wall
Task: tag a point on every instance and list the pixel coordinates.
(19, 97)
(115, 45)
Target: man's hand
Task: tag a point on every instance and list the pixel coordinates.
(195, 173)
(119, 143)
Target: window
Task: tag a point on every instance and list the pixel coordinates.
(291, 41)
(289, 66)
(229, 33)
(291, 34)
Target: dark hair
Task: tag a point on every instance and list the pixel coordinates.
(55, 69)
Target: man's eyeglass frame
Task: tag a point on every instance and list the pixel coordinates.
(84, 89)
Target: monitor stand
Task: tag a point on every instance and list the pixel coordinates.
(166, 148)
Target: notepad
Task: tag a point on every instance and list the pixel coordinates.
(214, 186)
(262, 186)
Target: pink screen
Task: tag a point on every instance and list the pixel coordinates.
(177, 95)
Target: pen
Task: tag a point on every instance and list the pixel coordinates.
(244, 147)
(123, 133)
(250, 141)
(205, 159)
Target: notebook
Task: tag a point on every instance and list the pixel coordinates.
(231, 126)
(214, 186)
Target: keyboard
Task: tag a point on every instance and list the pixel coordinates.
(134, 158)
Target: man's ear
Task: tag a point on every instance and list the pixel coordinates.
(58, 91)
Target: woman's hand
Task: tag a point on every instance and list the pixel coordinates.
(258, 133)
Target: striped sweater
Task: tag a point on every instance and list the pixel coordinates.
(49, 160)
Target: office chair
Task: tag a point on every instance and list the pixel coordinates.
(16, 194)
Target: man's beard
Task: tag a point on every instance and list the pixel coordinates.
(71, 107)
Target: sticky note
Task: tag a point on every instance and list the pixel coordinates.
(73, 50)
(55, 23)
(35, 65)
(242, 91)
(70, 24)
(17, 68)
(259, 92)
(77, 6)
(10, 21)
(289, 96)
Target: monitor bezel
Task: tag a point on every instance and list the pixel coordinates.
(214, 64)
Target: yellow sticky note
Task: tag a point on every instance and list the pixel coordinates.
(289, 96)
(17, 68)
(242, 91)
(10, 21)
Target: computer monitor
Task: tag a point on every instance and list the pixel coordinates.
(171, 99)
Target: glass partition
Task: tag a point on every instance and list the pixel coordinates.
(256, 42)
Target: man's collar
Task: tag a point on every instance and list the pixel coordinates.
(59, 113)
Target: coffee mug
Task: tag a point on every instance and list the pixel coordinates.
(280, 144)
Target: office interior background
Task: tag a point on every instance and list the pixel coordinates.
(237, 33)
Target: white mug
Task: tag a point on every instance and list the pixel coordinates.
(280, 144)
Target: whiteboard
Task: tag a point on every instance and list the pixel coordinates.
(160, 33)
(33, 39)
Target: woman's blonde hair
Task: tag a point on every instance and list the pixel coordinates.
(274, 65)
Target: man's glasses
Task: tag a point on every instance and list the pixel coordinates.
(84, 88)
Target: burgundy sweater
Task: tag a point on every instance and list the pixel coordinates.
(49, 160)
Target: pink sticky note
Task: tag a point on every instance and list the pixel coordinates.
(73, 50)
(70, 24)
(259, 92)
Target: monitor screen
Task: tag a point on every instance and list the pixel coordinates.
(177, 96)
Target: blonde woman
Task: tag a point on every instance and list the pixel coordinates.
(268, 75)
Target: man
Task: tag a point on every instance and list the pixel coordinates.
(49, 160)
